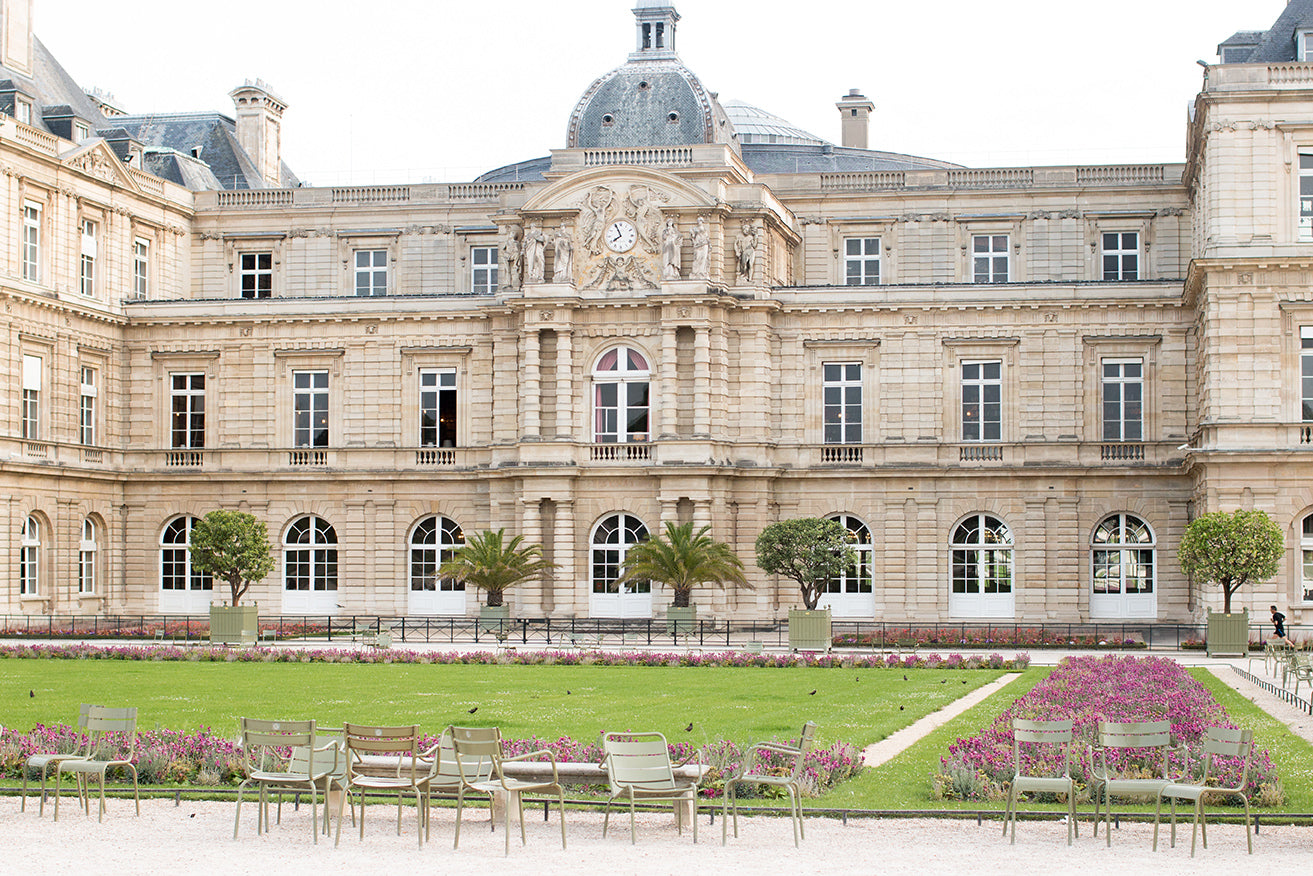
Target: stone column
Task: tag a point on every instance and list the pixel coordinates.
(566, 599)
(668, 384)
(565, 425)
(530, 593)
(702, 382)
(531, 387)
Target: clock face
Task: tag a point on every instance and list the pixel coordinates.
(621, 236)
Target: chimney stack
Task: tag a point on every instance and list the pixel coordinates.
(259, 124)
(16, 35)
(855, 111)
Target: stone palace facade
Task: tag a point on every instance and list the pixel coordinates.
(1014, 385)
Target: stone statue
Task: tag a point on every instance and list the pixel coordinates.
(596, 207)
(512, 265)
(640, 205)
(745, 247)
(672, 245)
(562, 250)
(535, 253)
(701, 251)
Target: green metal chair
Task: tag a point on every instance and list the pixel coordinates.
(638, 767)
(1218, 742)
(791, 782)
(46, 760)
(479, 760)
(313, 766)
(1131, 759)
(113, 743)
(1031, 738)
(410, 775)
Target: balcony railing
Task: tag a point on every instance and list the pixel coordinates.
(36, 449)
(850, 454)
(184, 459)
(621, 453)
(980, 453)
(1121, 452)
(435, 456)
(307, 457)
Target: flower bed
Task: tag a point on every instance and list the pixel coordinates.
(984, 637)
(1087, 690)
(172, 758)
(544, 657)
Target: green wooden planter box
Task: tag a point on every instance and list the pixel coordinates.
(681, 621)
(495, 621)
(233, 625)
(809, 630)
(1228, 634)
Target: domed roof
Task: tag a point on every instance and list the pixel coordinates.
(755, 125)
(648, 103)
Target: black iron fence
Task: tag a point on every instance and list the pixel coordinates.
(615, 632)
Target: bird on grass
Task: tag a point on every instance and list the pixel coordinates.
(31, 693)
(904, 678)
(473, 710)
(812, 694)
(900, 708)
(689, 728)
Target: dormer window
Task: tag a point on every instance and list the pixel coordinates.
(1304, 46)
(81, 132)
(23, 110)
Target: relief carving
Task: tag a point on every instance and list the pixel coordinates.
(640, 206)
(95, 164)
(596, 206)
(622, 273)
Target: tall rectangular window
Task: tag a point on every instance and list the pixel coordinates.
(81, 132)
(88, 548)
(982, 401)
(437, 407)
(483, 261)
(1306, 196)
(140, 267)
(1123, 400)
(1121, 255)
(371, 272)
(310, 408)
(989, 258)
(257, 274)
(23, 110)
(861, 261)
(87, 407)
(87, 268)
(30, 243)
(31, 412)
(842, 402)
(187, 412)
(1306, 373)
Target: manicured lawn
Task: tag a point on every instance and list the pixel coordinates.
(740, 704)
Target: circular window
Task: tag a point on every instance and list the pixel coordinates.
(643, 86)
(673, 117)
(608, 119)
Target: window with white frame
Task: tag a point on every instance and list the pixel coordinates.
(982, 401)
(310, 408)
(1306, 559)
(371, 272)
(1306, 373)
(621, 403)
(256, 274)
(434, 542)
(437, 407)
(1122, 553)
(187, 411)
(87, 266)
(310, 556)
(856, 578)
(1306, 196)
(87, 407)
(140, 267)
(989, 258)
(1123, 400)
(982, 556)
(29, 558)
(23, 110)
(88, 552)
(1121, 255)
(176, 570)
(31, 412)
(842, 402)
(1304, 46)
(861, 261)
(612, 539)
(81, 132)
(483, 264)
(30, 242)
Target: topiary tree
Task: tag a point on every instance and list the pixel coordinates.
(490, 563)
(809, 550)
(683, 559)
(1231, 549)
(234, 546)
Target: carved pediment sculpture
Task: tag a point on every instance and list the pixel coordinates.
(641, 206)
(94, 163)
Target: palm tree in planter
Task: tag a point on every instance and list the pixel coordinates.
(683, 559)
(489, 562)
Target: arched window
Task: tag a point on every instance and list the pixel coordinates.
(310, 556)
(620, 397)
(29, 558)
(176, 572)
(856, 578)
(1306, 558)
(612, 539)
(433, 542)
(981, 568)
(1123, 554)
(88, 551)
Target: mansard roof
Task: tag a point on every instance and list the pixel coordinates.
(207, 137)
(1278, 42)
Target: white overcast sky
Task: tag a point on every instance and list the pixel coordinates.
(392, 91)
